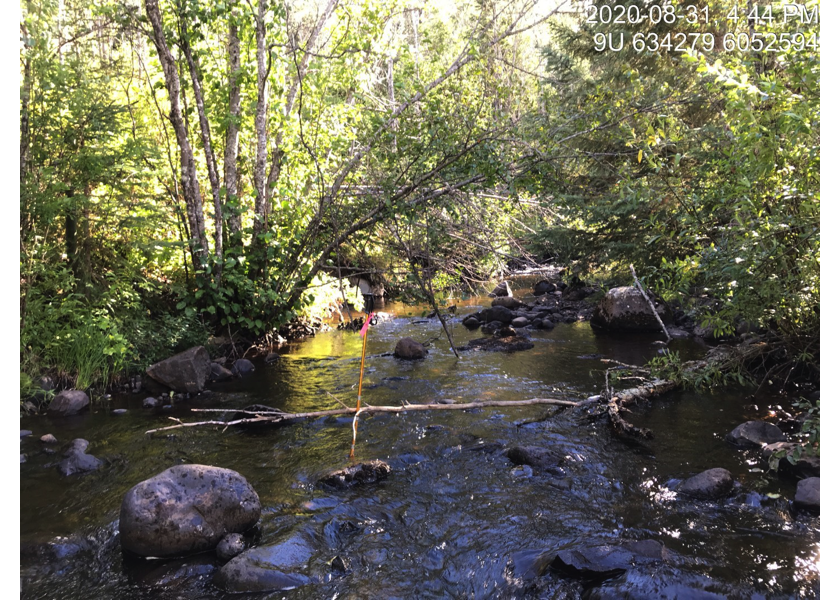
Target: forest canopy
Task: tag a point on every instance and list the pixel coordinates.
(200, 167)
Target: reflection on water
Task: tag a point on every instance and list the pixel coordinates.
(455, 518)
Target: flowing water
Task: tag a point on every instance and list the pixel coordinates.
(455, 518)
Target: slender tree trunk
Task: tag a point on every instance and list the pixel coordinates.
(234, 221)
(207, 141)
(293, 88)
(25, 95)
(189, 180)
(260, 124)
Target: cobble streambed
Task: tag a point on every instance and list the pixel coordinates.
(455, 518)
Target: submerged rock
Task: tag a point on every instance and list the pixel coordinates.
(708, 485)
(186, 509)
(592, 562)
(755, 433)
(68, 402)
(184, 372)
(503, 344)
(366, 472)
(78, 461)
(269, 568)
(152, 402)
(409, 349)
(534, 456)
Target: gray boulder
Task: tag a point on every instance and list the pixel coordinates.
(625, 309)
(497, 313)
(186, 509)
(219, 372)
(471, 322)
(544, 287)
(243, 366)
(409, 349)
(271, 357)
(520, 322)
(269, 568)
(184, 372)
(152, 402)
(754, 434)
(503, 289)
(708, 485)
(231, 545)
(808, 494)
(68, 402)
(508, 302)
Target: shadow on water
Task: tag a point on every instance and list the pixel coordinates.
(455, 518)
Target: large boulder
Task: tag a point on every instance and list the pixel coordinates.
(186, 509)
(754, 434)
(409, 349)
(184, 372)
(68, 402)
(708, 485)
(625, 309)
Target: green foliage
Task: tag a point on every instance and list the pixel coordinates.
(699, 167)
(710, 374)
(809, 435)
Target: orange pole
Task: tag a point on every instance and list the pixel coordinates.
(359, 390)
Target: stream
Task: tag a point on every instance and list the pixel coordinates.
(455, 518)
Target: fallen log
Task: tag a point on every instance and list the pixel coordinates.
(620, 400)
(264, 417)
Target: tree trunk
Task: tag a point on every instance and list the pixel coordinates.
(189, 180)
(260, 123)
(234, 221)
(209, 155)
(25, 95)
(293, 88)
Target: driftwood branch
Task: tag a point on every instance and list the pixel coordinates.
(650, 303)
(619, 402)
(276, 417)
